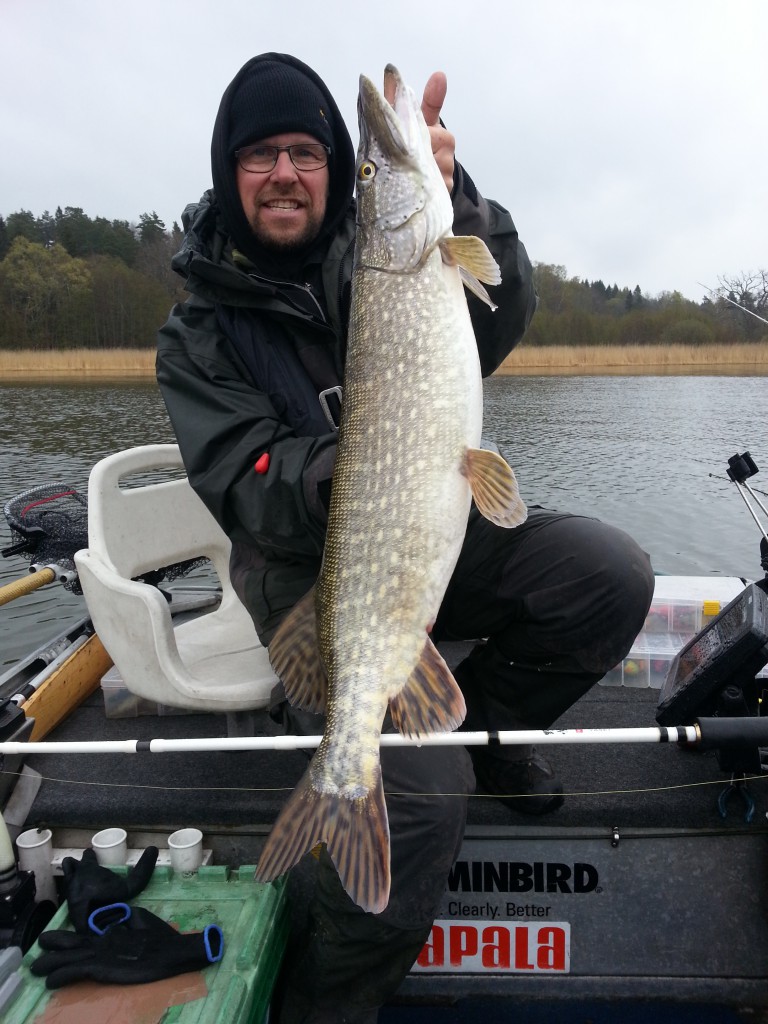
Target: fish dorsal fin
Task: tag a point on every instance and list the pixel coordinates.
(494, 487)
(431, 700)
(475, 262)
(295, 656)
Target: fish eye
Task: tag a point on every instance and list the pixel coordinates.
(366, 171)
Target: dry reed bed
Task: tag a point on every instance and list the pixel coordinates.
(76, 361)
(575, 358)
(555, 358)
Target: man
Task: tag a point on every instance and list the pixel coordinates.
(248, 367)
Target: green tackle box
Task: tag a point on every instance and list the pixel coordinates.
(237, 990)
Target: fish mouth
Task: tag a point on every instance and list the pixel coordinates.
(390, 121)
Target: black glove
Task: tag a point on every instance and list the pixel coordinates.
(88, 885)
(140, 947)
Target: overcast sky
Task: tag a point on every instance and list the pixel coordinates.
(627, 137)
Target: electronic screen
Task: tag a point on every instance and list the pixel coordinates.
(730, 649)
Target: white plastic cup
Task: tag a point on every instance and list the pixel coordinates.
(186, 850)
(110, 846)
(35, 848)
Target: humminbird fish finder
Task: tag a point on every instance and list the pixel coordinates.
(729, 650)
(715, 672)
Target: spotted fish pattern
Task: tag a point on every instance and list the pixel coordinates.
(407, 467)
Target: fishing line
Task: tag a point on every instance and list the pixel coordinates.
(175, 789)
(717, 476)
(394, 793)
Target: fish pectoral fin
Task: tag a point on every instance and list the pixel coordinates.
(473, 285)
(471, 253)
(494, 487)
(295, 656)
(356, 833)
(475, 262)
(431, 700)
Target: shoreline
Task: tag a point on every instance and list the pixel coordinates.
(741, 359)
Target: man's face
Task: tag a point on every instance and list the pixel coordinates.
(285, 207)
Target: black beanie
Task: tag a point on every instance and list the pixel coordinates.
(271, 94)
(276, 98)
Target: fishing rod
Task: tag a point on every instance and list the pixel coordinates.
(745, 310)
(740, 469)
(706, 733)
(738, 305)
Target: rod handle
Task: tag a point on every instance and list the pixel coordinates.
(732, 733)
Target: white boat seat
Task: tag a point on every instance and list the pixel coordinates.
(213, 662)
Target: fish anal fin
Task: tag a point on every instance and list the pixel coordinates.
(356, 833)
(475, 262)
(295, 656)
(431, 700)
(494, 487)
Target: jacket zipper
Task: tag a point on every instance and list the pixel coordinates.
(306, 287)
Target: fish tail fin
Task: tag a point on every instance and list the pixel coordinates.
(431, 700)
(494, 487)
(356, 833)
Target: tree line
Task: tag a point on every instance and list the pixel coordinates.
(577, 312)
(68, 280)
(71, 281)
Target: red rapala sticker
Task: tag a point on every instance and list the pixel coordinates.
(479, 947)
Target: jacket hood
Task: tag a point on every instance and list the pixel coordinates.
(341, 163)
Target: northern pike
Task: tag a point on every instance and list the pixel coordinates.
(407, 466)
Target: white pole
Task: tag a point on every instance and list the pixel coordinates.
(745, 310)
(539, 737)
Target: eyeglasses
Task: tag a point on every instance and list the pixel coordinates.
(305, 156)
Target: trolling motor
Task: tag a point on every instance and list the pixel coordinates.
(715, 673)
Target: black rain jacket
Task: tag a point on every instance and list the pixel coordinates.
(241, 364)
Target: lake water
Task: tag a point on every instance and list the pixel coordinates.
(647, 453)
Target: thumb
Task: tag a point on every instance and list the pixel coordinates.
(142, 872)
(68, 868)
(434, 97)
(71, 867)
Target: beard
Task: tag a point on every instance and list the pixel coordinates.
(285, 246)
(283, 242)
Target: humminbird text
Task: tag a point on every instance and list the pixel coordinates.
(519, 876)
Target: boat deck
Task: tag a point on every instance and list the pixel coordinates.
(627, 786)
(679, 921)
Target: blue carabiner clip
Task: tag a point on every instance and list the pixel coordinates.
(125, 913)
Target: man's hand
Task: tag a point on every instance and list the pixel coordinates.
(443, 143)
